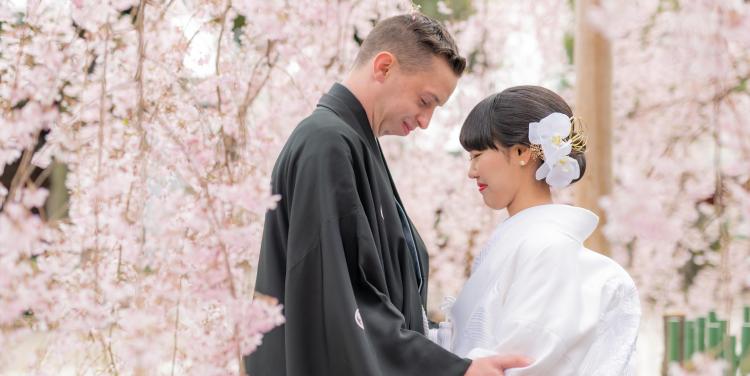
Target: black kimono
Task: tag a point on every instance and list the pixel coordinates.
(342, 257)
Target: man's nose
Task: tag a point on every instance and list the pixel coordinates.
(423, 119)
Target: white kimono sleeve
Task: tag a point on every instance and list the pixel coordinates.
(613, 351)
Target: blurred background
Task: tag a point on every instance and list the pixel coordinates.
(137, 139)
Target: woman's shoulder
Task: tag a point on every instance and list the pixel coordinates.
(549, 245)
(615, 274)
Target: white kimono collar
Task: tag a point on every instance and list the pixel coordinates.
(578, 222)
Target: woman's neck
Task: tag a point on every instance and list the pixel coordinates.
(537, 194)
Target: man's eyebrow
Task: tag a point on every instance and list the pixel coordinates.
(437, 100)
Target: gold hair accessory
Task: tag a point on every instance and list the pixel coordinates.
(536, 152)
(577, 138)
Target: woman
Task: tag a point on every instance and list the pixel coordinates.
(535, 289)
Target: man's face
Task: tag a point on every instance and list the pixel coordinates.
(407, 100)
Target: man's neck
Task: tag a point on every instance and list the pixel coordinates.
(357, 88)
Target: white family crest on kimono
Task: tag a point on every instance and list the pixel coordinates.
(536, 290)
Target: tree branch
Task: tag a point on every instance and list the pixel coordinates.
(218, 52)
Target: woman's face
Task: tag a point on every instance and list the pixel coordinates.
(498, 174)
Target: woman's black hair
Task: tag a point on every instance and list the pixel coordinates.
(503, 119)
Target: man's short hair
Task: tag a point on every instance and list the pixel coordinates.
(413, 39)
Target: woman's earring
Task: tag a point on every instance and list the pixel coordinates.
(523, 163)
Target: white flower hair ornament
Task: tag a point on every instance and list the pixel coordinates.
(552, 140)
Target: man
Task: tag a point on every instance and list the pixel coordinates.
(339, 252)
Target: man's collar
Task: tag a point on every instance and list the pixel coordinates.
(342, 101)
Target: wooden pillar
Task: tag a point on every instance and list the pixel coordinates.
(57, 201)
(593, 103)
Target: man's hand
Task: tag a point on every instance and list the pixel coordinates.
(496, 365)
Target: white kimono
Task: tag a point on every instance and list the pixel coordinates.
(535, 290)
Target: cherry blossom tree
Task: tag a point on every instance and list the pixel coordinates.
(679, 216)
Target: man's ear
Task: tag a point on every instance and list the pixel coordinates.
(383, 63)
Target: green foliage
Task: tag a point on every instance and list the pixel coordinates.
(569, 42)
(460, 9)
